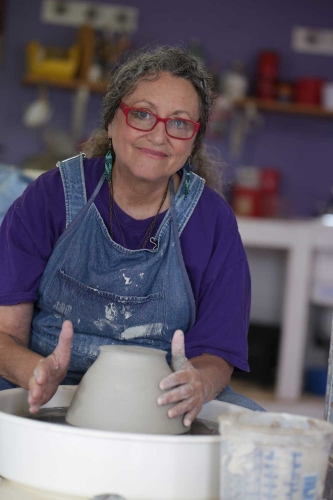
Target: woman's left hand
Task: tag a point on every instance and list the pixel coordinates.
(185, 386)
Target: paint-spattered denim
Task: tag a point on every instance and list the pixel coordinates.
(111, 294)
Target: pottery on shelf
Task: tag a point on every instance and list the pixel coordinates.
(119, 393)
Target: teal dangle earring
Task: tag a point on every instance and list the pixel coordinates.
(108, 177)
(108, 163)
(187, 177)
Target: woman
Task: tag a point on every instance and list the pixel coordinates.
(129, 247)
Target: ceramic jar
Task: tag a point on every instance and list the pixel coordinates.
(119, 393)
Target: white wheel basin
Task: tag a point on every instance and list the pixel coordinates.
(85, 463)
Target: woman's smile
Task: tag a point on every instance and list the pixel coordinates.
(151, 153)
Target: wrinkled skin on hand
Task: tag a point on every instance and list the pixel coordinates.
(50, 371)
(185, 386)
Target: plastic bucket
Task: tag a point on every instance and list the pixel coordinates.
(273, 456)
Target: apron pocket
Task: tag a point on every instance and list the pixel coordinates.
(139, 319)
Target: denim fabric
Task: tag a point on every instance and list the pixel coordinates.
(113, 295)
(5, 384)
(229, 396)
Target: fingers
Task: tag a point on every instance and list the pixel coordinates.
(59, 357)
(42, 370)
(178, 350)
(50, 371)
(181, 408)
(67, 331)
(179, 394)
(175, 379)
(36, 389)
(180, 385)
(190, 408)
(63, 348)
(35, 396)
(178, 344)
(43, 384)
(184, 387)
(191, 415)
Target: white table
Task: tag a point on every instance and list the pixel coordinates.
(301, 239)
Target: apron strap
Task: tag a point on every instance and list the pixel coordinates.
(75, 196)
(175, 232)
(72, 175)
(185, 206)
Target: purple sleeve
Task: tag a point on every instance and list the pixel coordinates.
(32, 227)
(220, 280)
(28, 233)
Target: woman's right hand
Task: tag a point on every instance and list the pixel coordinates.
(50, 371)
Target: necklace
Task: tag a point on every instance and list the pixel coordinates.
(147, 235)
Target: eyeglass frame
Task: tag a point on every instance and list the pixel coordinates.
(126, 109)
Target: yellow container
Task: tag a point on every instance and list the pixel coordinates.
(41, 61)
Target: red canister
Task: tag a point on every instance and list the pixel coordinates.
(267, 73)
(270, 180)
(246, 199)
(268, 64)
(308, 91)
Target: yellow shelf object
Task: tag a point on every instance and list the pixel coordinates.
(54, 63)
(63, 68)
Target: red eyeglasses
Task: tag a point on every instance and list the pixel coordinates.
(177, 128)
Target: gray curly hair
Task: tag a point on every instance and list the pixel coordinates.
(150, 63)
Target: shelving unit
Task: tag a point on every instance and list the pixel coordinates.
(86, 41)
(263, 105)
(282, 107)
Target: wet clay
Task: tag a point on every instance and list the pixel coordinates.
(119, 393)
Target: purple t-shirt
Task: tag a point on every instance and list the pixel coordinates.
(212, 250)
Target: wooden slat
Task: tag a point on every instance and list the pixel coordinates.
(282, 107)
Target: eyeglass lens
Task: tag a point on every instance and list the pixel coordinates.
(175, 127)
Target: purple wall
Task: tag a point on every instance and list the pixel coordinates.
(301, 147)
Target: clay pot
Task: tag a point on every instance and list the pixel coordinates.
(119, 393)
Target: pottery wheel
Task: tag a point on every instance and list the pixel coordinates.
(56, 415)
(161, 466)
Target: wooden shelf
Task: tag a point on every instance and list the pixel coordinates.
(263, 105)
(281, 107)
(72, 84)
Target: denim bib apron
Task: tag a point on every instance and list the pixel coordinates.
(111, 294)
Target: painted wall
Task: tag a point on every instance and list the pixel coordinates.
(302, 148)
